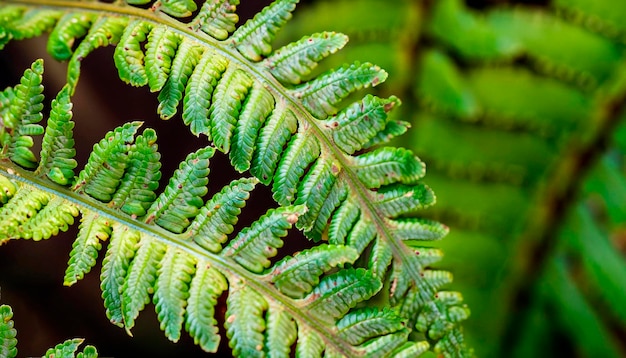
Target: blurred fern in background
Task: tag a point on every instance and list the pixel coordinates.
(517, 108)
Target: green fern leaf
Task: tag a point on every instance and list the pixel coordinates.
(7, 189)
(187, 55)
(140, 279)
(160, 52)
(361, 325)
(342, 221)
(57, 215)
(129, 57)
(8, 342)
(314, 191)
(322, 94)
(244, 320)
(294, 62)
(387, 165)
(410, 229)
(122, 247)
(217, 18)
(24, 112)
(280, 333)
(172, 290)
(217, 217)
(141, 177)
(57, 149)
(182, 198)
(22, 206)
(256, 110)
(296, 276)
(301, 152)
(92, 231)
(310, 344)
(227, 108)
(273, 137)
(254, 37)
(105, 167)
(206, 287)
(177, 8)
(413, 349)
(361, 122)
(254, 245)
(69, 348)
(68, 29)
(32, 22)
(397, 199)
(199, 90)
(339, 292)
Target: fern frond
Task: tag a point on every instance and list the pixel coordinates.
(8, 341)
(300, 139)
(20, 122)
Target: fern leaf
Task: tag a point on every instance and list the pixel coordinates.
(342, 221)
(187, 55)
(361, 122)
(314, 191)
(322, 94)
(296, 276)
(26, 203)
(141, 177)
(254, 245)
(280, 332)
(388, 165)
(273, 137)
(32, 23)
(8, 342)
(65, 349)
(57, 149)
(226, 108)
(105, 167)
(254, 37)
(409, 229)
(129, 57)
(244, 320)
(206, 287)
(295, 62)
(20, 122)
(362, 324)
(397, 199)
(57, 215)
(182, 198)
(217, 217)
(199, 91)
(380, 258)
(338, 193)
(361, 235)
(68, 29)
(139, 283)
(339, 292)
(122, 248)
(177, 8)
(310, 344)
(160, 52)
(217, 18)
(172, 290)
(256, 110)
(92, 231)
(301, 152)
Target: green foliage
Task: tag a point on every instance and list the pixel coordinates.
(293, 132)
(517, 110)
